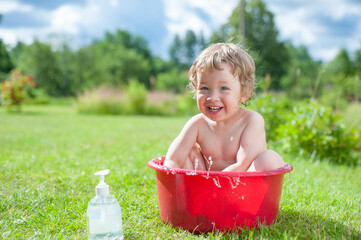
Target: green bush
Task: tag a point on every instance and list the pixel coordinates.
(318, 131)
(13, 90)
(37, 96)
(310, 129)
(133, 100)
(273, 108)
(136, 97)
(173, 80)
(91, 106)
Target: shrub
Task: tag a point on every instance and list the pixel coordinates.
(310, 129)
(91, 106)
(273, 108)
(38, 96)
(136, 97)
(173, 80)
(317, 131)
(13, 90)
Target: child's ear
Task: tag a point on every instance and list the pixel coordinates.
(243, 99)
(245, 95)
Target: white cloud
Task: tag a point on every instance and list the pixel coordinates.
(114, 3)
(26, 35)
(290, 26)
(181, 17)
(310, 23)
(66, 19)
(338, 9)
(10, 6)
(218, 10)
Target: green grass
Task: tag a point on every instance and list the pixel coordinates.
(48, 156)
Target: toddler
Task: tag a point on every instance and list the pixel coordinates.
(224, 136)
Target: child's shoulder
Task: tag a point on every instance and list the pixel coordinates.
(197, 119)
(253, 116)
(195, 123)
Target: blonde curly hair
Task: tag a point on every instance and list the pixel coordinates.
(241, 64)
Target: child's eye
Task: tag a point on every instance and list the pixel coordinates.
(204, 88)
(224, 88)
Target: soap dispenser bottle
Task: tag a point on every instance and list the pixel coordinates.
(104, 213)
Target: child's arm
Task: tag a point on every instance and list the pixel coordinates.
(182, 145)
(253, 143)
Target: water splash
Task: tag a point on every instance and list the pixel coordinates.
(166, 169)
(196, 162)
(210, 165)
(216, 182)
(235, 181)
(233, 184)
(191, 173)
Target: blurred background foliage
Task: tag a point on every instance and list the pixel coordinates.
(120, 57)
(300, 98)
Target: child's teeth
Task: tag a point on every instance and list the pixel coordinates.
(214, 108)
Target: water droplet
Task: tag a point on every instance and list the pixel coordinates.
(216, 182)
(196, 161)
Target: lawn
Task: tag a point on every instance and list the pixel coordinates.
(48, 156)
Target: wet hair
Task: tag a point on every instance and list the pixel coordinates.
(241, 64)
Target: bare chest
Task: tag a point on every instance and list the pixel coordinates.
(220, 148)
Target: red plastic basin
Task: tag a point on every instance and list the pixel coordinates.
(202, 201)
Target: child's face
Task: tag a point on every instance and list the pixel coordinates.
(218, 93)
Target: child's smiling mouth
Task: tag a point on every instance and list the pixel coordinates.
(214, 109)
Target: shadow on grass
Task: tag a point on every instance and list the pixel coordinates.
(296, 225)
(310, 226)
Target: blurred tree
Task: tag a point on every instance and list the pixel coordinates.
(65, 58)
(121, 57)
(183, 51)
(358, 61)
(87, 72)
(16, 52)
(124, 38)
(175, 52)
(39, 61)
(341, 64)
(340, 82)
(271, 56)
(6, 64)
(190, 43)
(174, 79)
(301, 79)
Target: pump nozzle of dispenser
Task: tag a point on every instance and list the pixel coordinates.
(102, 189)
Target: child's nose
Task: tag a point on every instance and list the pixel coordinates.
(213, 96)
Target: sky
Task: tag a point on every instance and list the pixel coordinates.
(323, 26)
